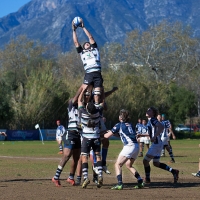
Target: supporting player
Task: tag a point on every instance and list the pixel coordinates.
(60, 131)
(130, 150)
(105, 141)
(72, 145)
(90, 120)
(155, 129)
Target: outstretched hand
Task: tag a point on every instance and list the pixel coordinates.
(82, 23)
(114, 89)
(73, 26)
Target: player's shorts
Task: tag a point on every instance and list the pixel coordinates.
(59, 138)
(130, 151)
(87, 144)
(145, 140)
(155, 150)
(165, 141)
(93, 78)
(72, 144)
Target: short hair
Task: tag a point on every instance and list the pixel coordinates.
(124, 114)
(84, 45)
(155, 111)
(91, 108)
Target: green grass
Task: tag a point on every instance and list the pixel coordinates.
(31, 159)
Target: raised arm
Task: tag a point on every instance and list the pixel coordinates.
(88, 34)
(80, 98)
(74, 35)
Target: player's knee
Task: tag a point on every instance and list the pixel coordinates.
(66, 157)
(97, 91)
(156, 164)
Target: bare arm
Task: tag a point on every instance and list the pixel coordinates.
(171, 133)
(89, 35)
(74, 35)
(108, 134)
(108, 93)
(80, 98)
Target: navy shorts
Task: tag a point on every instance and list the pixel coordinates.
(93, 78)
(72, 143)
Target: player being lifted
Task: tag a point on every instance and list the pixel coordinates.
(91, 61)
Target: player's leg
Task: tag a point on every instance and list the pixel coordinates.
(59, 141)
(154, 150)
(198, 173)
(79, 171)
(156, 163)
(75, 158)
(94, 166)
(170, 154)
(163, 166)
(85, 149)
(98, 87)
(141, 147)
(66, 156)
(121, 160)
(96, 146)
(132, 154)
(104, 152)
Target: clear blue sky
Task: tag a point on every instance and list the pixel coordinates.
(10, 6)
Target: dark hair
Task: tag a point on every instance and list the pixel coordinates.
(155, 111)
(84, 45)
(124, 114)
(91, 108)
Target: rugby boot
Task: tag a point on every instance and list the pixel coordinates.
(71, 181)
(118, 187)
(175, 174)
(105, 169)
(86, 182)
(100, 181)
(172, 160)
(196, 174)
(56, 182)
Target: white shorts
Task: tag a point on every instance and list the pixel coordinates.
(130, 151)
(146, 140)
(58, 138)
(155, 150)
(103, 126)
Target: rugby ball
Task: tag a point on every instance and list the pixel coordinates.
(77, 21)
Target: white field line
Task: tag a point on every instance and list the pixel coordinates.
(36, 158)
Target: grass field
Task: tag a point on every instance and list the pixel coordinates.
(30, 165)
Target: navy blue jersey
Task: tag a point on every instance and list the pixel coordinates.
(166, 124)
(138, 128)
(144, 129)
(126, 133)
(152, 129)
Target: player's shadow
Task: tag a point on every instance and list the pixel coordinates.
(165, 185)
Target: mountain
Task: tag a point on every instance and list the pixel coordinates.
(108, 20)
